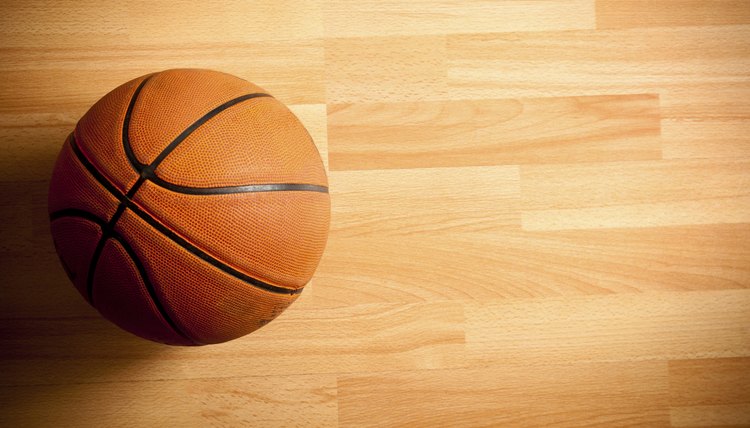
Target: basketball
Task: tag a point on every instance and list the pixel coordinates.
(189, 207)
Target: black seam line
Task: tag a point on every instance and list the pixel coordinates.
(206, 257)
(107, 231)
(149, 287)
(126, 127)
(205, 118)
(176, 238)
(249, 188)
(135, 187)
(74, 212)
(93, 171)
(92, 266)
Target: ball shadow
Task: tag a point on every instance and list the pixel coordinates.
(50, 338)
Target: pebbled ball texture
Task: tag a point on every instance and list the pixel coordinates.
(189, 207)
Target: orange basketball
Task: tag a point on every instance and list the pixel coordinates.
(189, 207)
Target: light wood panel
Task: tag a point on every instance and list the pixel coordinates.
(570, 63)
(497, 264)
(622, 327)
(303, 340)
(306, 400)
(711, 416)
(494, 132)
(27, 24)
(658, 193)
(645, 13)
(711, 381)
(225, 21)
(710, 392)
(386, 69)
(414, 203)
(51, 85)
(518, 395)
(540, 214)
(392, 17)
(706, 121)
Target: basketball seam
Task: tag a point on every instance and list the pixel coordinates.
(73, 212)
(134, 162)
(182, 242)
(198, 123)
(107, 231)
(245, 188)
(149, 171)
(150, 287)
(98, 176)
(173, 235)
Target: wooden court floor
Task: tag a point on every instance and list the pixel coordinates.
(540, 215)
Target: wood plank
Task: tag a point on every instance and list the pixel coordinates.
(636, 327)
(519, 395)
(706, 121)
(31, 75)
(27, 24)
(635, 194)
(305, 400)
(645, 13)
(393, 17)
(540, 214)
(709, 392)
(718, 416)
(411, 204)
(303, 340)
(385, 69)
(709, 382)
(493, 132)
(685, 139)
(377, 266)
(227, 21)
(575, 63)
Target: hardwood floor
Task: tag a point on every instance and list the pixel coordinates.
(540, 214)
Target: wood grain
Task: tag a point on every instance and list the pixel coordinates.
(707, 382)
(306, 400)
(52, 85)
(41, 351)
(574, 63)
(565, 395)
(27, 24)
(706, 392)
(419, 202)
(623, 327)
(494, 132)
(386, 69)
(393, 17)
(227, 21)
(540, 214)
(504, 264)
(706, 121)
(644, 13)
(659, 193)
